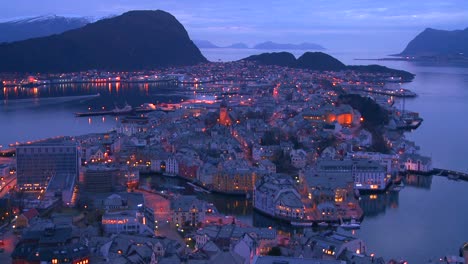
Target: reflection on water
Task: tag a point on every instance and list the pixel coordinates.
(48, 111)
(110, 94)
(375, 204)
(419, 181)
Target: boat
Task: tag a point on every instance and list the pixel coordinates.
(353, 224)
(301, 223)
(323, 224)
(126, 109)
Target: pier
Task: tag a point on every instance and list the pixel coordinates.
(451, 174)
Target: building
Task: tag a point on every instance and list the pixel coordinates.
(276, 195)
(298, 158)
(100, 178)
(367, 174)
(39, 163)
(234, 177)
(25, 218)
(417, 163)
(331, 246)
(299, 260)
(224, 118)
(227, 236)
(187, 211)
(128, 221)
(50, 244)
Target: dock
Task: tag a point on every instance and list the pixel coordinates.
(115, 113)
(451, 173)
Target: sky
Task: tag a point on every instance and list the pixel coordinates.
(339, 25)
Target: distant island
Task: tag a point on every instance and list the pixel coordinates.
(239, 45)
(205, 44)
(268, 45)
(40, 26)
(135, 40)
(320, 61)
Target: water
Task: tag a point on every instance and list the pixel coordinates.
(426, 220)
(28, 114)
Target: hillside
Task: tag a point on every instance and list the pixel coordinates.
(320, 61)
(132, 41)
(285, 59)
(433, 42)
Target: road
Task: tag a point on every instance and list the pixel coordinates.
(9, 240)
(9, 182)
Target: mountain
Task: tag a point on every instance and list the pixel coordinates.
(320, 61)
(205, 44)
(433, 42)
(269, 45)
(38, 27)
(238, 46)
(373, 68)
(285, 59)
(132, 41)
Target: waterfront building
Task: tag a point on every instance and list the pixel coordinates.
(276, 196)
(416, 163)
(235, 177)
(187, 210)
(129, 177)
(206, 174)
(40, 163)
(389, 161)
(367, 174)
(327, 245)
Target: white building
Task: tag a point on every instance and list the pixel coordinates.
(367, 174)
(172, 166)
(414, 162)
(122, 222)
(298, 158)
(276, 196)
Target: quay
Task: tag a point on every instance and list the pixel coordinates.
(111, 112)
(117, 113)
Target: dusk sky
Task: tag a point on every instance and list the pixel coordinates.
(337, 25)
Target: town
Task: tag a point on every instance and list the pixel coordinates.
(301, 146)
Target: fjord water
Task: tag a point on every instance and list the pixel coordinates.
(426, 220)
(28, 114)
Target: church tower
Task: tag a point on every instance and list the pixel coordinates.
(224, 115)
